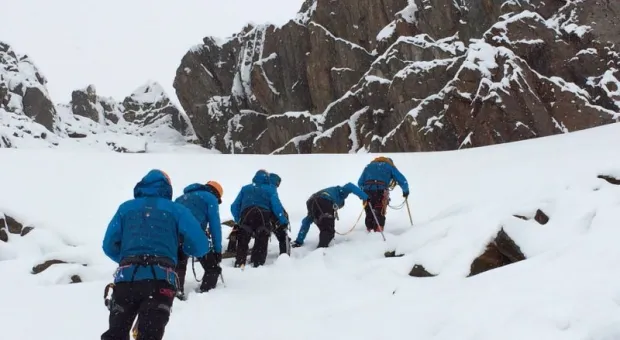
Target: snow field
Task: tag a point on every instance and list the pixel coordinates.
(568, 288)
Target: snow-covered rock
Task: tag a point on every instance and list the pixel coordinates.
(29, 118)
(406, 75)
(26, 110)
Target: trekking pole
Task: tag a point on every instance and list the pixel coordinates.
(408, 210)
(377, 221)
(222, 277)
(288, 241)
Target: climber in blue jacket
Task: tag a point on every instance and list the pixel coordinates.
(253, 209)
(377, 179)
(203, 201)
(322, 210)
(143, 238)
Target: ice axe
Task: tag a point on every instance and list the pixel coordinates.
(408, 210)
(134, 330)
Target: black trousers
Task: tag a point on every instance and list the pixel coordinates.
(149, 300)
(281, 232)
(211, 269)
(378, 202)
(323, 214)
(255, 222)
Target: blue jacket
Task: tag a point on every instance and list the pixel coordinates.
(338, 195)
(204, 205)
(150, 224)
(378, 175)
(262, 194)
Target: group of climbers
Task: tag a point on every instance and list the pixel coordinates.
(151, 236)
(378, 177)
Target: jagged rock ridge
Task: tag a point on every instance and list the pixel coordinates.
(29, 116)
(399, 75)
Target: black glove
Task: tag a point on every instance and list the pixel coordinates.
(406, 194)
(295, 244)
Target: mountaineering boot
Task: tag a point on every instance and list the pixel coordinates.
(210, 264)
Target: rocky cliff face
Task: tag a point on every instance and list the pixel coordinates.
(406, 75)
(29, 117)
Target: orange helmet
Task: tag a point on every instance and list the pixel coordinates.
(167, 177)
(215, 185)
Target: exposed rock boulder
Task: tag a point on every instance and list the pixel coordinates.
(420, 271)
(539, 216)
(392, 253)
(41, 267)
(500, 252)
(9, 225)
(610, 179)
(399, 75)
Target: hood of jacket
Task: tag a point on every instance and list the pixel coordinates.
(275, 179)
(261, 177)
(155, 184)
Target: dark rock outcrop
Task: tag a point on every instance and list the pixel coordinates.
(86, 103)
(398, 75)
(147, 106)
(500, 252)
(22, 89)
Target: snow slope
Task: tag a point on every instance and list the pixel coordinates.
(568, 288)
(146, 41)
